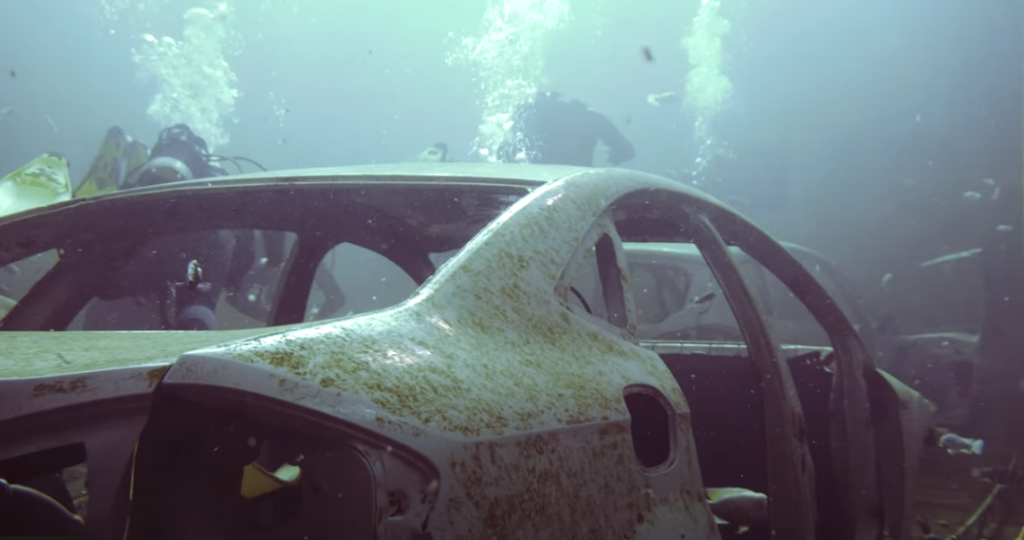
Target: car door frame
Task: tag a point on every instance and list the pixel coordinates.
(856, 395)
(791, 479)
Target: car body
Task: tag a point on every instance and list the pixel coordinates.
(939, 350)
(501, 393)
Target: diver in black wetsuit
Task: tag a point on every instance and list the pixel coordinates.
(552, 129)
(185, 273)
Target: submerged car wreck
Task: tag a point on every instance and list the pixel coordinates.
(502, 390)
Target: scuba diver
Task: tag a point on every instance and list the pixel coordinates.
(552, 129)
(183, 273)
(187, 273)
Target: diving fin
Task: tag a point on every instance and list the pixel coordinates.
(108, 167)
(437, 153)
(41, 182)
(135, 156)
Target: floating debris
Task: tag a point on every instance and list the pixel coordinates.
(886, 279)
(648, 56)
(739, 507)
(972, 196)
(6, 111)
(988, 181)
(955, 444)
(970, 253)
(53, 125)
(705, 298)
(1003, 229)
(664, 98)
(1001, 476)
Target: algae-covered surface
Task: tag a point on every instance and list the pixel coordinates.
(39, 354)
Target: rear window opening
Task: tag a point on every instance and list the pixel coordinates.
(651, 425)
(248, 259)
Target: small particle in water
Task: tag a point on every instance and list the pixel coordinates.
(1003, 229)
(51, 123)
(648, 55)
(252, 441)
(995, 193)
(886, 279)
(988, 181)
(388, 448)
(972, 195)
(13, 74)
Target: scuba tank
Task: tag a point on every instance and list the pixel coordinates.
(178, 155)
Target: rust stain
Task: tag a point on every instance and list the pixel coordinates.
(70, 386)
(539, 485)
(155, 375)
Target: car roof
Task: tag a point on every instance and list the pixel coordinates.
(425, 171)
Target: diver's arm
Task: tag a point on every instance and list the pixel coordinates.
(196, 307)
(620, 149)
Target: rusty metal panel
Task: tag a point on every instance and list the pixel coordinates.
(900, 440)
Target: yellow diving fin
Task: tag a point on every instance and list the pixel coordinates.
(108, 167)
(437, 153)
(41, 182)
(258, 481)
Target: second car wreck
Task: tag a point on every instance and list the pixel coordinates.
(503, 394)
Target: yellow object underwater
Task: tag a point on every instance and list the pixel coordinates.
(43, 181)
(258, 481)
(108, 167)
